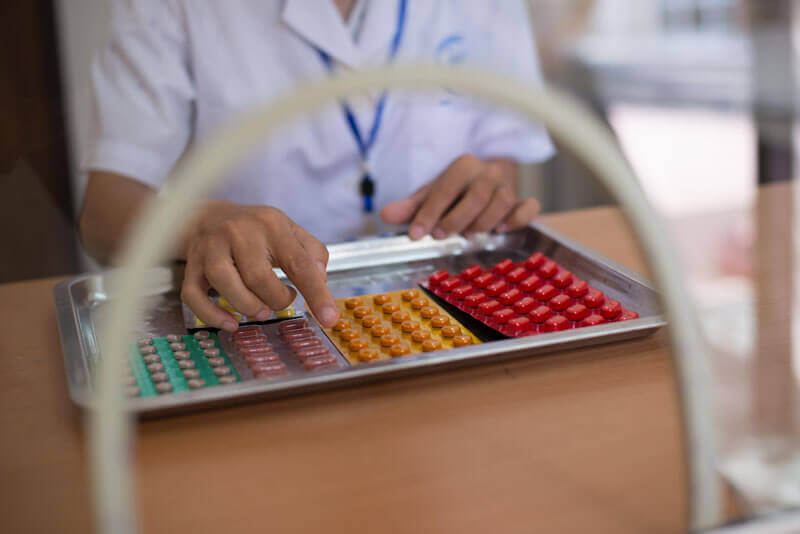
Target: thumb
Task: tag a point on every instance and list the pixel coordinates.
(402, 211)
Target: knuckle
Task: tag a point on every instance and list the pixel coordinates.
(253, 278)
(297, 264)
(215, 271)
(270, 217)
(506, 197)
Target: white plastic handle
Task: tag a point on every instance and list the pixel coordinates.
(568, 120)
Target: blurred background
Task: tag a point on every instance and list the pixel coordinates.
(672, 77)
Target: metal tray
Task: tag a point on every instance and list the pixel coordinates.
(357, 268)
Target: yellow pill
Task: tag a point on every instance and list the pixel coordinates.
(353, 302)
(341, 324)
(462, 341)
(284, 314)
(420, 335)
(410, 295)
(380, 330)
(389, 339)
(399, 350)
(348, 335)
(430, 345)
(367, 355)
(361, 312)
(390, 307)
(429, 311)
(451, 331)
(380, 300)
(439, 321)
(400, 317)
(419, 303)
(410, 326)
(370, 320)
(357, 345)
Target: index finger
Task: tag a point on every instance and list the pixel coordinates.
(303, 271)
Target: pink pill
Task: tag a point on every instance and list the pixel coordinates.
(305, 354)
(261, 358)
(296, 324)
(319, 362)
(305, 343)
(257, 349)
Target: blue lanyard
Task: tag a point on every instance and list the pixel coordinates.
(367, 185)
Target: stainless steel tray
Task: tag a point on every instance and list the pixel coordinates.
(357, 268)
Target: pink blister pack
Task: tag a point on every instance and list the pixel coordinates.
(532, 297)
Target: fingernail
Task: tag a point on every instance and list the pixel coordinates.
(263, 315)
(230, 326)
(501, 228)
(328, 315)
(416, 232)
(438, 233)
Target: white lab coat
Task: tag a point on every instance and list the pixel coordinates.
(176, 69)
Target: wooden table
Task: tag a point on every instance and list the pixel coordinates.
(585, 441)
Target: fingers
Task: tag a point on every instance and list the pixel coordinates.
(402, 211)
(253, 263)
(194, 293)
(445, 190)
(477, 198)
(502, 203)
(303, 270)
(523, 213)
(315, 248)
(223, 275)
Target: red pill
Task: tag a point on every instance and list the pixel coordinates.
(450, 284)
(296, 324)
(562, 279)
(496, 288)
(611, 309)
(535, 261)
(489, 307)
(548, 270)
(577, 312)
(532, 283)
(594, 299)
(556, 324)
(578, 289)
(483, 280)
(462, 292)
(560, 302)
(268, 370)
(319, 362)
(258, 349)
(628, 315)
(241, 334)
(504, 315)
(517, 275)
(247, 341)
(511, 296)
(593, 320)
(540, 314)
(266, 358)
(525, 305)
(475, 299)
(438, 277)
(518, 325)
(295, 335)
(503, 267)
(471, 272)
(545, 293)
(310, 352)
(304, 343)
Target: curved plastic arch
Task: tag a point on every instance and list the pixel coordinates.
(156, 231)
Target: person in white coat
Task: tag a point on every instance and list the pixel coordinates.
(438, 162)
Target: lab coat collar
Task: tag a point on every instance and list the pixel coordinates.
(376, 36)
(320, 23)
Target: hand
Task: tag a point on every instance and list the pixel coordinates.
(233, 249)
(470, 196)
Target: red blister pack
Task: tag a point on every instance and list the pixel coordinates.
(532, 297)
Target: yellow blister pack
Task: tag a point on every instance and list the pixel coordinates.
(395, 324)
